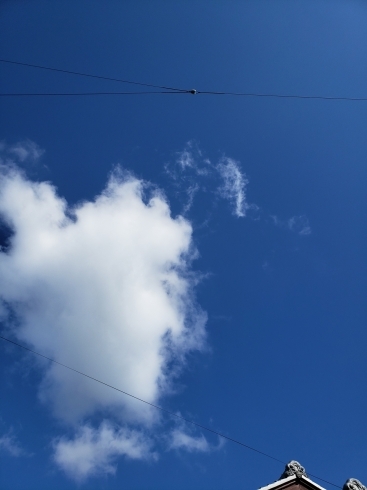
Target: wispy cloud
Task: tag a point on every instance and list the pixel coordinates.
(191, 157)
(234, 185)
(21, 152)
(297, 224)
(191, 192)
(10, 445)
(26, 150)
(96, 451)
(185, 158)
(300, 225)
(195, 174)
(183, 440)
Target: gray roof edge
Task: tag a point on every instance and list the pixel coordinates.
(276, 483)
(289, 479)
(313, 483)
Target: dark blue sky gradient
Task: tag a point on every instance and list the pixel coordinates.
(286, 369)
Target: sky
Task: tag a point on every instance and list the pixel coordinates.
(205, 253)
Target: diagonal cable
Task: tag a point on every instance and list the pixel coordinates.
(92, 76)
(160, 408)
(167, 88)
(63, 94)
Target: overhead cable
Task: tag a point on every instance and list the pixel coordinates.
(69, 72)
(61, 94)
(191, 91)
(166, 89)
(283, 96)
(159, 408)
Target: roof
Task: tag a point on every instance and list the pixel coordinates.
(293, 482)
(294, 477)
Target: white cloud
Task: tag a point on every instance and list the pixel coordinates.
(10, 445)
(95, 451)
(106, 292)
(106, 288)
(182, 440)
(234, 185)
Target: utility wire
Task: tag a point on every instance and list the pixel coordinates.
(163, 87)
(283, 96)
(160, 408)
(57, 94)
(192, 91)
(92, 76)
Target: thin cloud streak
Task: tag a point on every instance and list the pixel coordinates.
(234, 185)
(297, 224)
(192, 173)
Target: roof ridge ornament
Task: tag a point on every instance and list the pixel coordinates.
(353, 484)
(294, 468)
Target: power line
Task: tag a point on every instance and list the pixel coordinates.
(160, 408)
(192, 91)
(165, 88)
(58, 94)
(141, 400)
(284, 96)
(69, 72)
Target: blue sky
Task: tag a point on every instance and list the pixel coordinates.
(206, 253)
